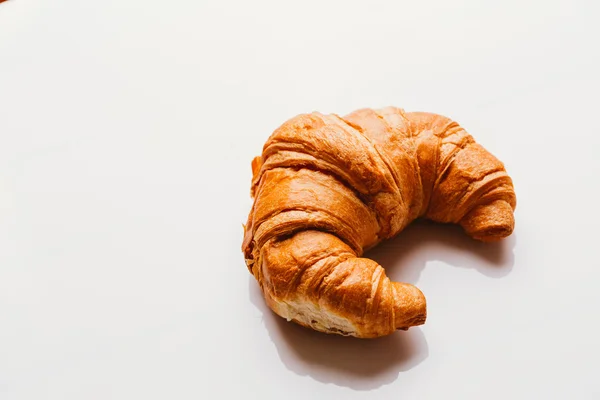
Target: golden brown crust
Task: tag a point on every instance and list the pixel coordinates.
(328, 188)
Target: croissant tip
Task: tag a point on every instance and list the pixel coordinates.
(410, 305)
(490, 222)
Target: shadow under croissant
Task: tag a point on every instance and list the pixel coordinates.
(360, 364)
(368, 364)
(405, 256)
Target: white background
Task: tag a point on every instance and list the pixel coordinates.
(127, 128)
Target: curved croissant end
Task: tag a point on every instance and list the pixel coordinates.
(327, 188)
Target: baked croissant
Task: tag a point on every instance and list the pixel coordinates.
(328, 188)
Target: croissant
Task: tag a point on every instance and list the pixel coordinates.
(327, 188)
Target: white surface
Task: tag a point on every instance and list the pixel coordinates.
(126, 133)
